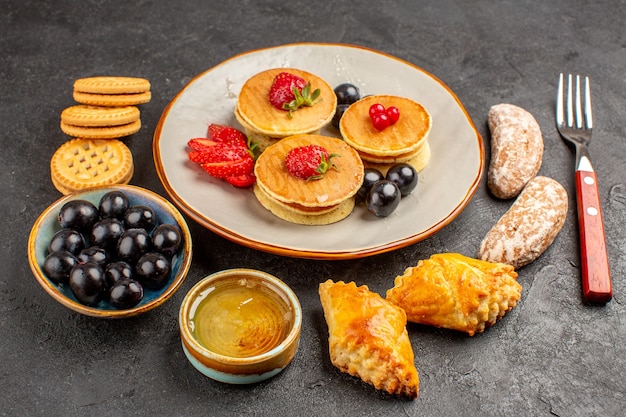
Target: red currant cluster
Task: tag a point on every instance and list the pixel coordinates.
(383, 118)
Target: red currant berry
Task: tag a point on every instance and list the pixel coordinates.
(393, 113)
(381, 121)
(375, 109)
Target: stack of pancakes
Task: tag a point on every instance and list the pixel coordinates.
(264, 123)
(405, 141)
(313, 202)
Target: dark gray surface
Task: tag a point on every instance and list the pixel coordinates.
(552, 355)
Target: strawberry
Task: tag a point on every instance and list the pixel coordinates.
(221, 133)
(310, 162)
(241, 181)
(290, 92)
(226, 169)
(200, 144)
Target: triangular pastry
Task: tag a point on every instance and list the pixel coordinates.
(456, 292)
(368, 338)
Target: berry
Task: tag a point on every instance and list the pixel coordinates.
(117, 271)
(347, 93)
(87, 283)
(58, 265)
(226, 169)
(113, 204)
(310, 162)
(132, 244)
(139, 217)
(94, 254)
(153, 270)
(405, 176)
(381, 121)
(290, 92)
(227, 134)
(126, 293)
(393, 113)
(370, 177)
(79, 215)
(383, 198)
(106, 232)
(166, 239)
(375, 109)
(341, 109)
(67, 240)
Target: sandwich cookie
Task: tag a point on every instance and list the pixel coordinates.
(112, 91)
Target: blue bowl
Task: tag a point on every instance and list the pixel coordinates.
(47, 225)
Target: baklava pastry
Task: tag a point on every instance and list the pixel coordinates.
(368, 338)
(456, 292)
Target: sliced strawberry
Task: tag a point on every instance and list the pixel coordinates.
(221, 133)
(200, 144)
(229, 168)
(242, 181)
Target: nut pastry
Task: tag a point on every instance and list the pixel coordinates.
(456, 292)
(368, 338)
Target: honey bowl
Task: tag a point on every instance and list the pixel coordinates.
(240, 326)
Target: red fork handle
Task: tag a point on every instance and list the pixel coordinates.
(596, 276)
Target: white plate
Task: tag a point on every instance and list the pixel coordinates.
(445, 186)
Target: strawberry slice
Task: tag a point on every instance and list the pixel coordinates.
(200, 144)
(226, 169)
(242, 181)
(221, 133)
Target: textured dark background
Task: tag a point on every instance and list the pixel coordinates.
(552, 355)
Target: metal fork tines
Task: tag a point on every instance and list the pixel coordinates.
(574, 122)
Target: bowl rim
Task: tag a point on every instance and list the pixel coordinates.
(51, 288)
(291, 338)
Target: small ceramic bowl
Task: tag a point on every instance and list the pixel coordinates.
(47, 225)
(240, 326)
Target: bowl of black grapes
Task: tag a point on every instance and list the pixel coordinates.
(110, 252)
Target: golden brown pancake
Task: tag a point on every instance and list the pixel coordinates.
(257, 115)
(281, 192)
(400, 140)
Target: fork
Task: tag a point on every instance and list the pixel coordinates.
(574, 123)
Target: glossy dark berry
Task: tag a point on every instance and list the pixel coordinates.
(125, 293)
(79, 215)
(370, 177)
(106, 232)
(405, 176)
(153, 270)
(383, 198)
(347, 93)
(94, 254)
(166, 239)
(57, 266)
(87, 283)
(113, 204)
(117, 271)
(139, 217)
(132, 244)
(67, 240)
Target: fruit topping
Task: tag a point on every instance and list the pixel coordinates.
(381, 117)
(383, 198)
(226, 154)
(405, 176)
(290, 92)
(310, 162)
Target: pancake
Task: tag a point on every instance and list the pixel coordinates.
(401, 140)
(418, 160)
(257, 115)
(289, 197)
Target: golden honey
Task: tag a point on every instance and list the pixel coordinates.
(240, 318)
